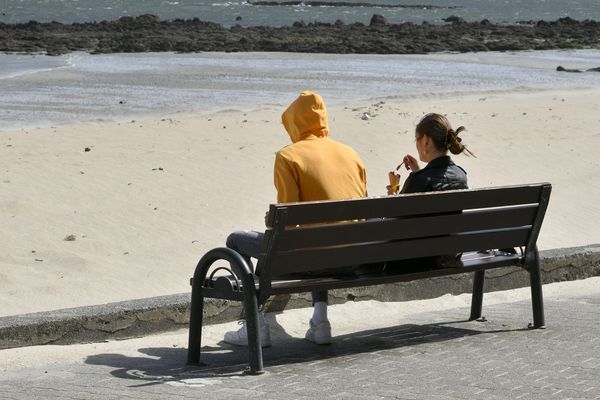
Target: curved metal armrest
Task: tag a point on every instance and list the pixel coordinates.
(239, 266)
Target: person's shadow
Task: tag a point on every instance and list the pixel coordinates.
(168, 365)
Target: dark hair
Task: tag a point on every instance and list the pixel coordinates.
(438, 128)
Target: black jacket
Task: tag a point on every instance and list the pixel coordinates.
(439, 174)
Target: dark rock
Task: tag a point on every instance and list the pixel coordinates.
(56, 51)
(378, 20)
(87, 149)
(126, 20)
(147, 19)
(596, 69)
(560, 68)
(454, 19)
(567, 21)
(160, 44)
(238, 18)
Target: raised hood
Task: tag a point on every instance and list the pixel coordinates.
(306, 116)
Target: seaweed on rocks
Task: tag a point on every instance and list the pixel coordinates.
(147, 33)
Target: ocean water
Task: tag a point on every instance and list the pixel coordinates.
(226, 12)
(41, 91)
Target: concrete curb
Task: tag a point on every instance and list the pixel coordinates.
(159, 314)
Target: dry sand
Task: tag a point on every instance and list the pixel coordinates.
(150, 197)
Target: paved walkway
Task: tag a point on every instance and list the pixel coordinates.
(430, 355)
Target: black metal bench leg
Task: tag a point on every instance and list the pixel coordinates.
(477, 297)
(195, 332)
(251, 310)
(537, 300)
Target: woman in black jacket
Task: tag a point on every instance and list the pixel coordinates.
(434, 137)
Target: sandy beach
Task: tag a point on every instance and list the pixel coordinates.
(103, 211)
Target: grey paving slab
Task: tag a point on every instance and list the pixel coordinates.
(434, 355)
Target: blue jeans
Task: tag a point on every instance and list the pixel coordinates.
(248, 244)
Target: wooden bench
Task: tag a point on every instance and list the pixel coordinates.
(315, 236)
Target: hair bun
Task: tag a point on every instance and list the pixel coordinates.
(450, 138)
(445, 138)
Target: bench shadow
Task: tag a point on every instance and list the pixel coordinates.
(168, 365)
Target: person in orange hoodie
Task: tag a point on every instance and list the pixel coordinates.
(312, 168)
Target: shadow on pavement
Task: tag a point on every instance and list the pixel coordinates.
(168, 365)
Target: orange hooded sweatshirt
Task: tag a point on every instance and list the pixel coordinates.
(314, 167)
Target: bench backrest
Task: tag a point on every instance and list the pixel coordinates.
(313, 236)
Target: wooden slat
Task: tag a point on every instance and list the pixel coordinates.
(404, 228)
(311, 260)
(411, 204)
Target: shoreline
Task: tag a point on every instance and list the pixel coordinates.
(241, 112)
(147, 33)
(124, 87)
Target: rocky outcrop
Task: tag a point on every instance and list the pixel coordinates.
(377, 19)
(560, 68)
(147, 33)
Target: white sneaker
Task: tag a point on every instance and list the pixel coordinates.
(240, 337)
(319, 333)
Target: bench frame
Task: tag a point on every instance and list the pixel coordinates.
(315, 236)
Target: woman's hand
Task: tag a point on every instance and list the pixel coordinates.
(411, 163)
